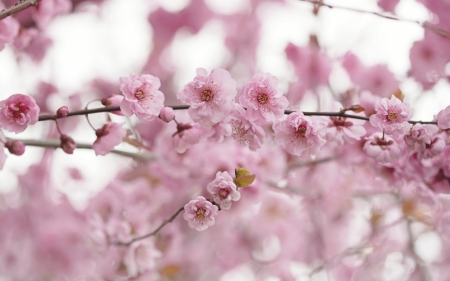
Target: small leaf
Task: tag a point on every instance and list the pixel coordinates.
(356, 108)
(244, 181)
(398, 94)
(241, 172)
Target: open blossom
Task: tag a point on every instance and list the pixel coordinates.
(189, 135)
(141, 257)
(420, 136)
(383, 149)
(300, 135)
(210, 96)
(224, 190)
(341, 130)
(141, 96)
(443, 118)
(200, 213)
(108, 136)
(17, 112)
(435, 147)
(263, 99)
(392, 116)
(244, 131)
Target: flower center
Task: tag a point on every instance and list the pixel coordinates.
(392, 117)
(262, 98)
(223, 193)
(207, 95)
(139, 94)
(19, 109)
(300, 132)
(200, 213)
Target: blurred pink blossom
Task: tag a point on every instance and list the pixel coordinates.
(388, 5)
(113, 100)
(141, 96)
(9, 29)
(263, 99)
(224, 190)
(210, 96)
(383, 150)
(443, 118)
(300, 135)
(420, 136)
(392, 116)
(245, 131)
(200, 213)
(108, 136)
(17, 112)
(46, 10)
(342, 130)
(15, 147)
(140, 257)
(190, 135)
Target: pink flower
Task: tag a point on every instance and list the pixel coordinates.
(141, 96)
(200, 213)
(48, 9)
(388, 5)
(108, 136)
(341, 130)
(224, 190)
(221, 130)
(113, 100)
(140, 257)
(264, 99)
(443, 118)
(15, 147)
(420, 136)
(189, 135)
(62, 112)
(210, 96)
(245, 131)
(435, 147)
(167, 114)
(17, 112)
(392, 116)
(384, 150)
(68, 145)
(300, 135)
(9, 29)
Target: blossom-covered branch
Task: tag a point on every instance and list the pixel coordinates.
(18, 7)
(425, 25)
(54, 143)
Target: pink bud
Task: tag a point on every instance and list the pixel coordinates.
(63, 111)
(113, 100)
(166, 114)
(15, 147)
(67, 144)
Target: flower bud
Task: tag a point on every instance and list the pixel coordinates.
(166, 114)
(113, 100)
(67, 144)
(15, 147)
(63, 111)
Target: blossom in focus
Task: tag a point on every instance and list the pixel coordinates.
(167, 114)
(17, 112)
(392, 116)
(300, 135)
(200, 213)
(141, 96)
(210, 96)
(382, 149)
(140, 257)
(224, 190)
(9, 29)
(443, 119)
(341, 130)
(263, 99)
(108, 136)
(244, 131)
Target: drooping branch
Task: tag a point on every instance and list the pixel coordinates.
(19, 6)
(425, 25)
(183, 107)
(154, 232)
(55, 143)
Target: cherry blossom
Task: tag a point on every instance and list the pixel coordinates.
(420, 136)
(68, 145)
(443, 118)
(9, 29)
(382, 149)
(113, 100)
(17, 112)
(108, 136)
(166, 114)
(341, 129)
(210, 96)
(392, 116)
(189, 135)
(200, 213)
(224, 190)
(300, 135)
(15, 147)
(263, 99)
(141, 96)
(245, 131)
(48, 9)
(140, 257)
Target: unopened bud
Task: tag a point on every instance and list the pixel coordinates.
(15, 147)
(113, 100)
(68, 145)
(63, 111)
(166, 114)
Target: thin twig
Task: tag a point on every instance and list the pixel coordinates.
(182, 107)
(55, 143)
(19, 6)
(153, 232)
(425, 25)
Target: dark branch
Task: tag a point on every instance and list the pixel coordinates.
(19, 6)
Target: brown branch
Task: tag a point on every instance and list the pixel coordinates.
(19, 6)
(425, 25)
(182, 107)
(55, 143)
(154, 232)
